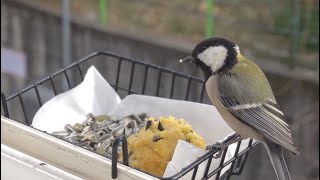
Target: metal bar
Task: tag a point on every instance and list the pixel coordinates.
(209, 20)
(124, 89)
(244, 159)
(194, 172)
(240, 154)
(103, 12)
(105, 53)
(118, 74)
(172, 85)
(188, 89)
(66, 37)
(80, 71)
(158, 82)
(4, 105)
(145, 79)
(218, 171)
(166, 70)
(114, 159)
(238, 163)
(232, 164)
(23, 107)
(202, 92)
(207, 167)
(295, 33)
(131, 77)
(38, 94)
(67, 78)
(53, 86)
(125, 154)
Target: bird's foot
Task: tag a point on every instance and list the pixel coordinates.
(222, 146)
(218, 145)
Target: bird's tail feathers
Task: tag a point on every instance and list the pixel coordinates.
(275, 152)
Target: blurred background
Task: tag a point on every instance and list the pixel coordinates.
(39, 37)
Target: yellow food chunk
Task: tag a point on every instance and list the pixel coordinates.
(152, 148)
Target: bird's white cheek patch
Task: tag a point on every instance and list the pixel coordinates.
(214, 57)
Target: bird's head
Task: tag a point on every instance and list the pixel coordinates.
(214, 56)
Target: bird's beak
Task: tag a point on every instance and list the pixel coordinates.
(187, 59)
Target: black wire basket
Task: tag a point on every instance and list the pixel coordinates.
(145, 73)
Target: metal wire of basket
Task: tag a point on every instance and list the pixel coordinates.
(237, 161)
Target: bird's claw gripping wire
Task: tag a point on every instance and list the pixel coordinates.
(223, 145)
(218, 145)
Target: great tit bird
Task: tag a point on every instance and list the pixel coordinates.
(240, 91)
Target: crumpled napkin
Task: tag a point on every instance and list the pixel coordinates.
(93, 95)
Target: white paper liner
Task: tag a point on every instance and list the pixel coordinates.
(95, 95)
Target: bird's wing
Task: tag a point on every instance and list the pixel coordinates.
(254, 106)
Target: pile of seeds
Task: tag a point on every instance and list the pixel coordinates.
(97, 133)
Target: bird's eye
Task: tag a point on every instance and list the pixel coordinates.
(203, 48)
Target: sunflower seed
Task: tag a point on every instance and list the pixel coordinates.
(156, 138)
(100, 150)
(85, 143)
(107, 130)
(160, 127)
(73, 134)
(77, 127)
(97, 145)
(117, 131)
(90, 115)
(87, 137)
(88, 148)
(106, 143)
(103, 125)
(128, 131)
(136, 118)
(60, 133)
(85, 130)
(69, 128)
(125, 121)
(113, 126)
(136, 130)
(132, 124)
(97, 133)
(148, 125)
(102, 136)
(142, 116)
(102, 118)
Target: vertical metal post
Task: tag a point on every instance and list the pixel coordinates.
(209, 21)
(66, 37)
(103, 12)
(295, 35)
